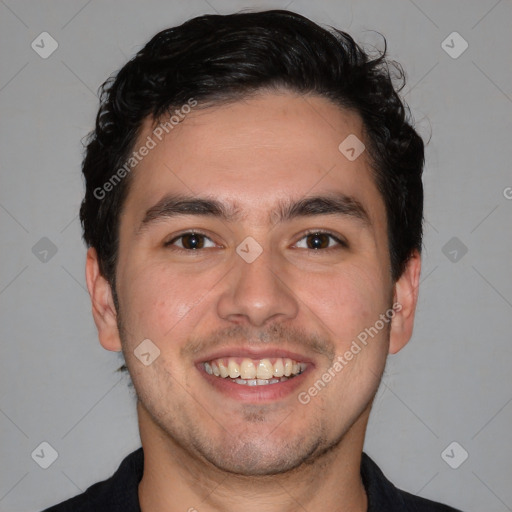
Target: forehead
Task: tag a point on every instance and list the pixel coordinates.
(255, 153)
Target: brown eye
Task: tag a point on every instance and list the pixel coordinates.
(191, 241)
(317, 241)
(320, 240)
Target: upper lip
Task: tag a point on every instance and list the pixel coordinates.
(254, 353)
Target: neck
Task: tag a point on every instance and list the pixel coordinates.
(175, 479)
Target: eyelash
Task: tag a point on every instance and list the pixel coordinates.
(341, 243)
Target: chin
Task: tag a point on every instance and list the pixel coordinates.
(264, 458)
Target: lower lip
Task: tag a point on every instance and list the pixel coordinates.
(254, 394)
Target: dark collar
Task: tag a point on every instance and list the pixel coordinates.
(120, 493)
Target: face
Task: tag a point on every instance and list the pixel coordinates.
(253, 254)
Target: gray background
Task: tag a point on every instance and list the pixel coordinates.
(451, 383)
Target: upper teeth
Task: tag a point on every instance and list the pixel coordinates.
(253, 369)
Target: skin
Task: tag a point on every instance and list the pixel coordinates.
(204, 449)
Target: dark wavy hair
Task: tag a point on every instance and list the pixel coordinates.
(217, 59)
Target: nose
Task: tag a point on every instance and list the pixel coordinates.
(256, 293)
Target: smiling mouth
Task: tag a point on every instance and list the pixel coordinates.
(254, 372)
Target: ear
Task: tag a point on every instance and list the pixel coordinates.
(103, 308)
(404, 303)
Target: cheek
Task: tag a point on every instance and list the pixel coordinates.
(153, 299)
(160, 301)
(162, 306)
(348, 301)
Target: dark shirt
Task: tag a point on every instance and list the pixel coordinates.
(119, 493)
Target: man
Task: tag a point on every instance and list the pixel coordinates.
(253, 213)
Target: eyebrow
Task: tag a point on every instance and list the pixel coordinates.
(331, 204)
